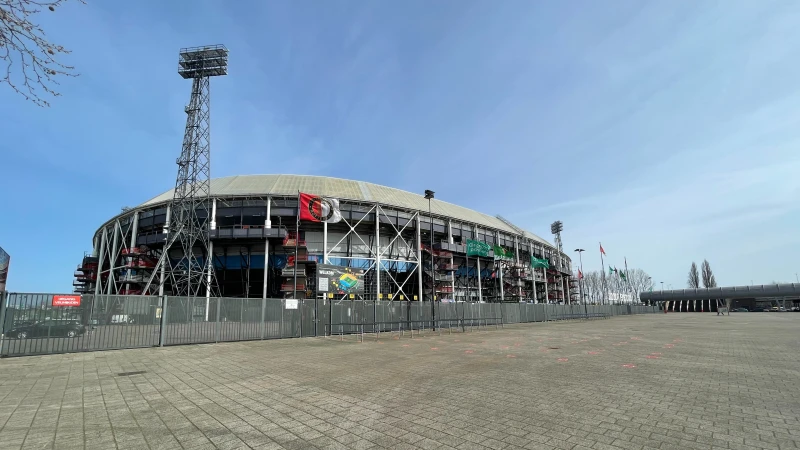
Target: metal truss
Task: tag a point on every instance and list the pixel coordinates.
(383, 260)
(409, 249)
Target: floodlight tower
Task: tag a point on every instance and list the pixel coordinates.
(192, 272)
(556, 228)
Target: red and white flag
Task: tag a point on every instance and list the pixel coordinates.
(319, 209)
(601, 249)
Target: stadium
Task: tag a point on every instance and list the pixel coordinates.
(354, 238)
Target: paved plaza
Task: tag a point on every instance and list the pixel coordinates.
(674, 381)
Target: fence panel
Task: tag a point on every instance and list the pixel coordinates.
(308, 316)
(119, 321)
(192, 320)
(511, 313)
(34, 324)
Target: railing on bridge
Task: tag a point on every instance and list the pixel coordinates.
(45, 323)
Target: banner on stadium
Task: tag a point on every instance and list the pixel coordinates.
(477, 248)
(5, 261)
(537, 263)
(339, 279)
(319, 209)
(501, 253)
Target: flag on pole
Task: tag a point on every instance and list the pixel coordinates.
(580, 274)
(319, 209)
(603, 274)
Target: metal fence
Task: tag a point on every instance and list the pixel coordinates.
(40, 323)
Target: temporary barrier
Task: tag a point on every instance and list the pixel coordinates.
(54, 323)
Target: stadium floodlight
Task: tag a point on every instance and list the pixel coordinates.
(556, 227)
(201, 62)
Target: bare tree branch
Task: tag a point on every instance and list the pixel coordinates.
(638, 281)
(694, 277)
(31, 68)
(708, 276)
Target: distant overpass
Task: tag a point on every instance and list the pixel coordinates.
(729, 293)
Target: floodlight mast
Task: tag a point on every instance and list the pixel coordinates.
(191, 273)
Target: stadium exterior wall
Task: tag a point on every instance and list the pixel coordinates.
(254, 216)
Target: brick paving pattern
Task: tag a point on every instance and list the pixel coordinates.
(675, 381)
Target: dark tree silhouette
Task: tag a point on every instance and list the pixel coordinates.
(708, 276)
(31, 67)
(694, 277)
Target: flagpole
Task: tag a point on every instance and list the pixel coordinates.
(628, 279)
(296, 244)
(603, 267)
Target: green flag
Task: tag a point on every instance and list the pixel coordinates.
(537, 263)
(622, 275)
(501, 253)
(477, 248)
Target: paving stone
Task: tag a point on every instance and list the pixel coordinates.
(710, 382)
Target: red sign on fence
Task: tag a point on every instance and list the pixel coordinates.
(66, 300)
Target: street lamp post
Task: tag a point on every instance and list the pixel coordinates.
(662, 287)
(429, 196)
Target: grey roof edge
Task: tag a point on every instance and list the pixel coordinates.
(362, 186)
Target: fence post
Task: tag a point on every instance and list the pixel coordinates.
(3, 306)
(219, 322)
(263, 317)
(164, 309)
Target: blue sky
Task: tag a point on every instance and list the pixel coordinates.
(667, 130)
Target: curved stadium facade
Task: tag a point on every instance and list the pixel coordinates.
(384, 234)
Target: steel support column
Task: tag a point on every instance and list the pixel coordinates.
(325, 242)
(267, 226)
(544, 272)
(419, 256)
(111, 284)
(500, 269)
(210, 255)
(134, 230)
(478, 261)
(165, 250)
(533, 274)
(98, 281)
(452, 260)
(377, 252)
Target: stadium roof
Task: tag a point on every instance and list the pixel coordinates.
(263, 185)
